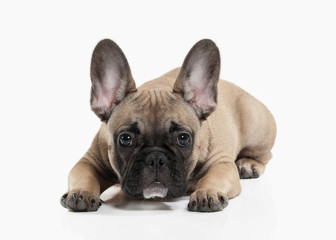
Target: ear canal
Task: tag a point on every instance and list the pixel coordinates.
(198, 77)
(111, 78)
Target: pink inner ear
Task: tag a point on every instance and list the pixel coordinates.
(203, 98)
(115, 101)
(192, 100)
(105, 97)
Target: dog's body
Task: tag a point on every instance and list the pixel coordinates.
(164, 140)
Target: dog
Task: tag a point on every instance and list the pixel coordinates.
(184, 132)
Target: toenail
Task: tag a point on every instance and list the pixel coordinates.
(255, 173)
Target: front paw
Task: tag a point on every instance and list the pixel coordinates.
(80, 201)
(207, 201)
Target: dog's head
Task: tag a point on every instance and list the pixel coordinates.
(154, 133)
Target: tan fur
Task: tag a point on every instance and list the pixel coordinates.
(241, 128)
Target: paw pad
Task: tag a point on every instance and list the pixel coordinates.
(212, 201)
(80, 202)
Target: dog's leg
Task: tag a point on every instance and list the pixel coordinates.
(214, 190)
(252, 167)
(85, 187)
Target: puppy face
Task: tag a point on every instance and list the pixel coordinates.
(153, 139)
(154, 133)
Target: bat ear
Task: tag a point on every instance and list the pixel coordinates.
(111, 78)
(198, 77)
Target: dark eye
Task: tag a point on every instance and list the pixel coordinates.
(125, 139)
(183, 139)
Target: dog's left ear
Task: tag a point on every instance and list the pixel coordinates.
(198, 77)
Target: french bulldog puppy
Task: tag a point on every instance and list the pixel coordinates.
(185, 132)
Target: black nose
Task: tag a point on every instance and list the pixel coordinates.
(156, 160)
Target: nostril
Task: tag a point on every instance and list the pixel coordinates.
(150, 162)
(162, 162)
(156, 160)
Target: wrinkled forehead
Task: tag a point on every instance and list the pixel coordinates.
(153, 111)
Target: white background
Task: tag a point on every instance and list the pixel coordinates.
(282, 52)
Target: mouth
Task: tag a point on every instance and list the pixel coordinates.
(155, 190)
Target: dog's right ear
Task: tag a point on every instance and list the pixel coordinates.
(111, 78)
